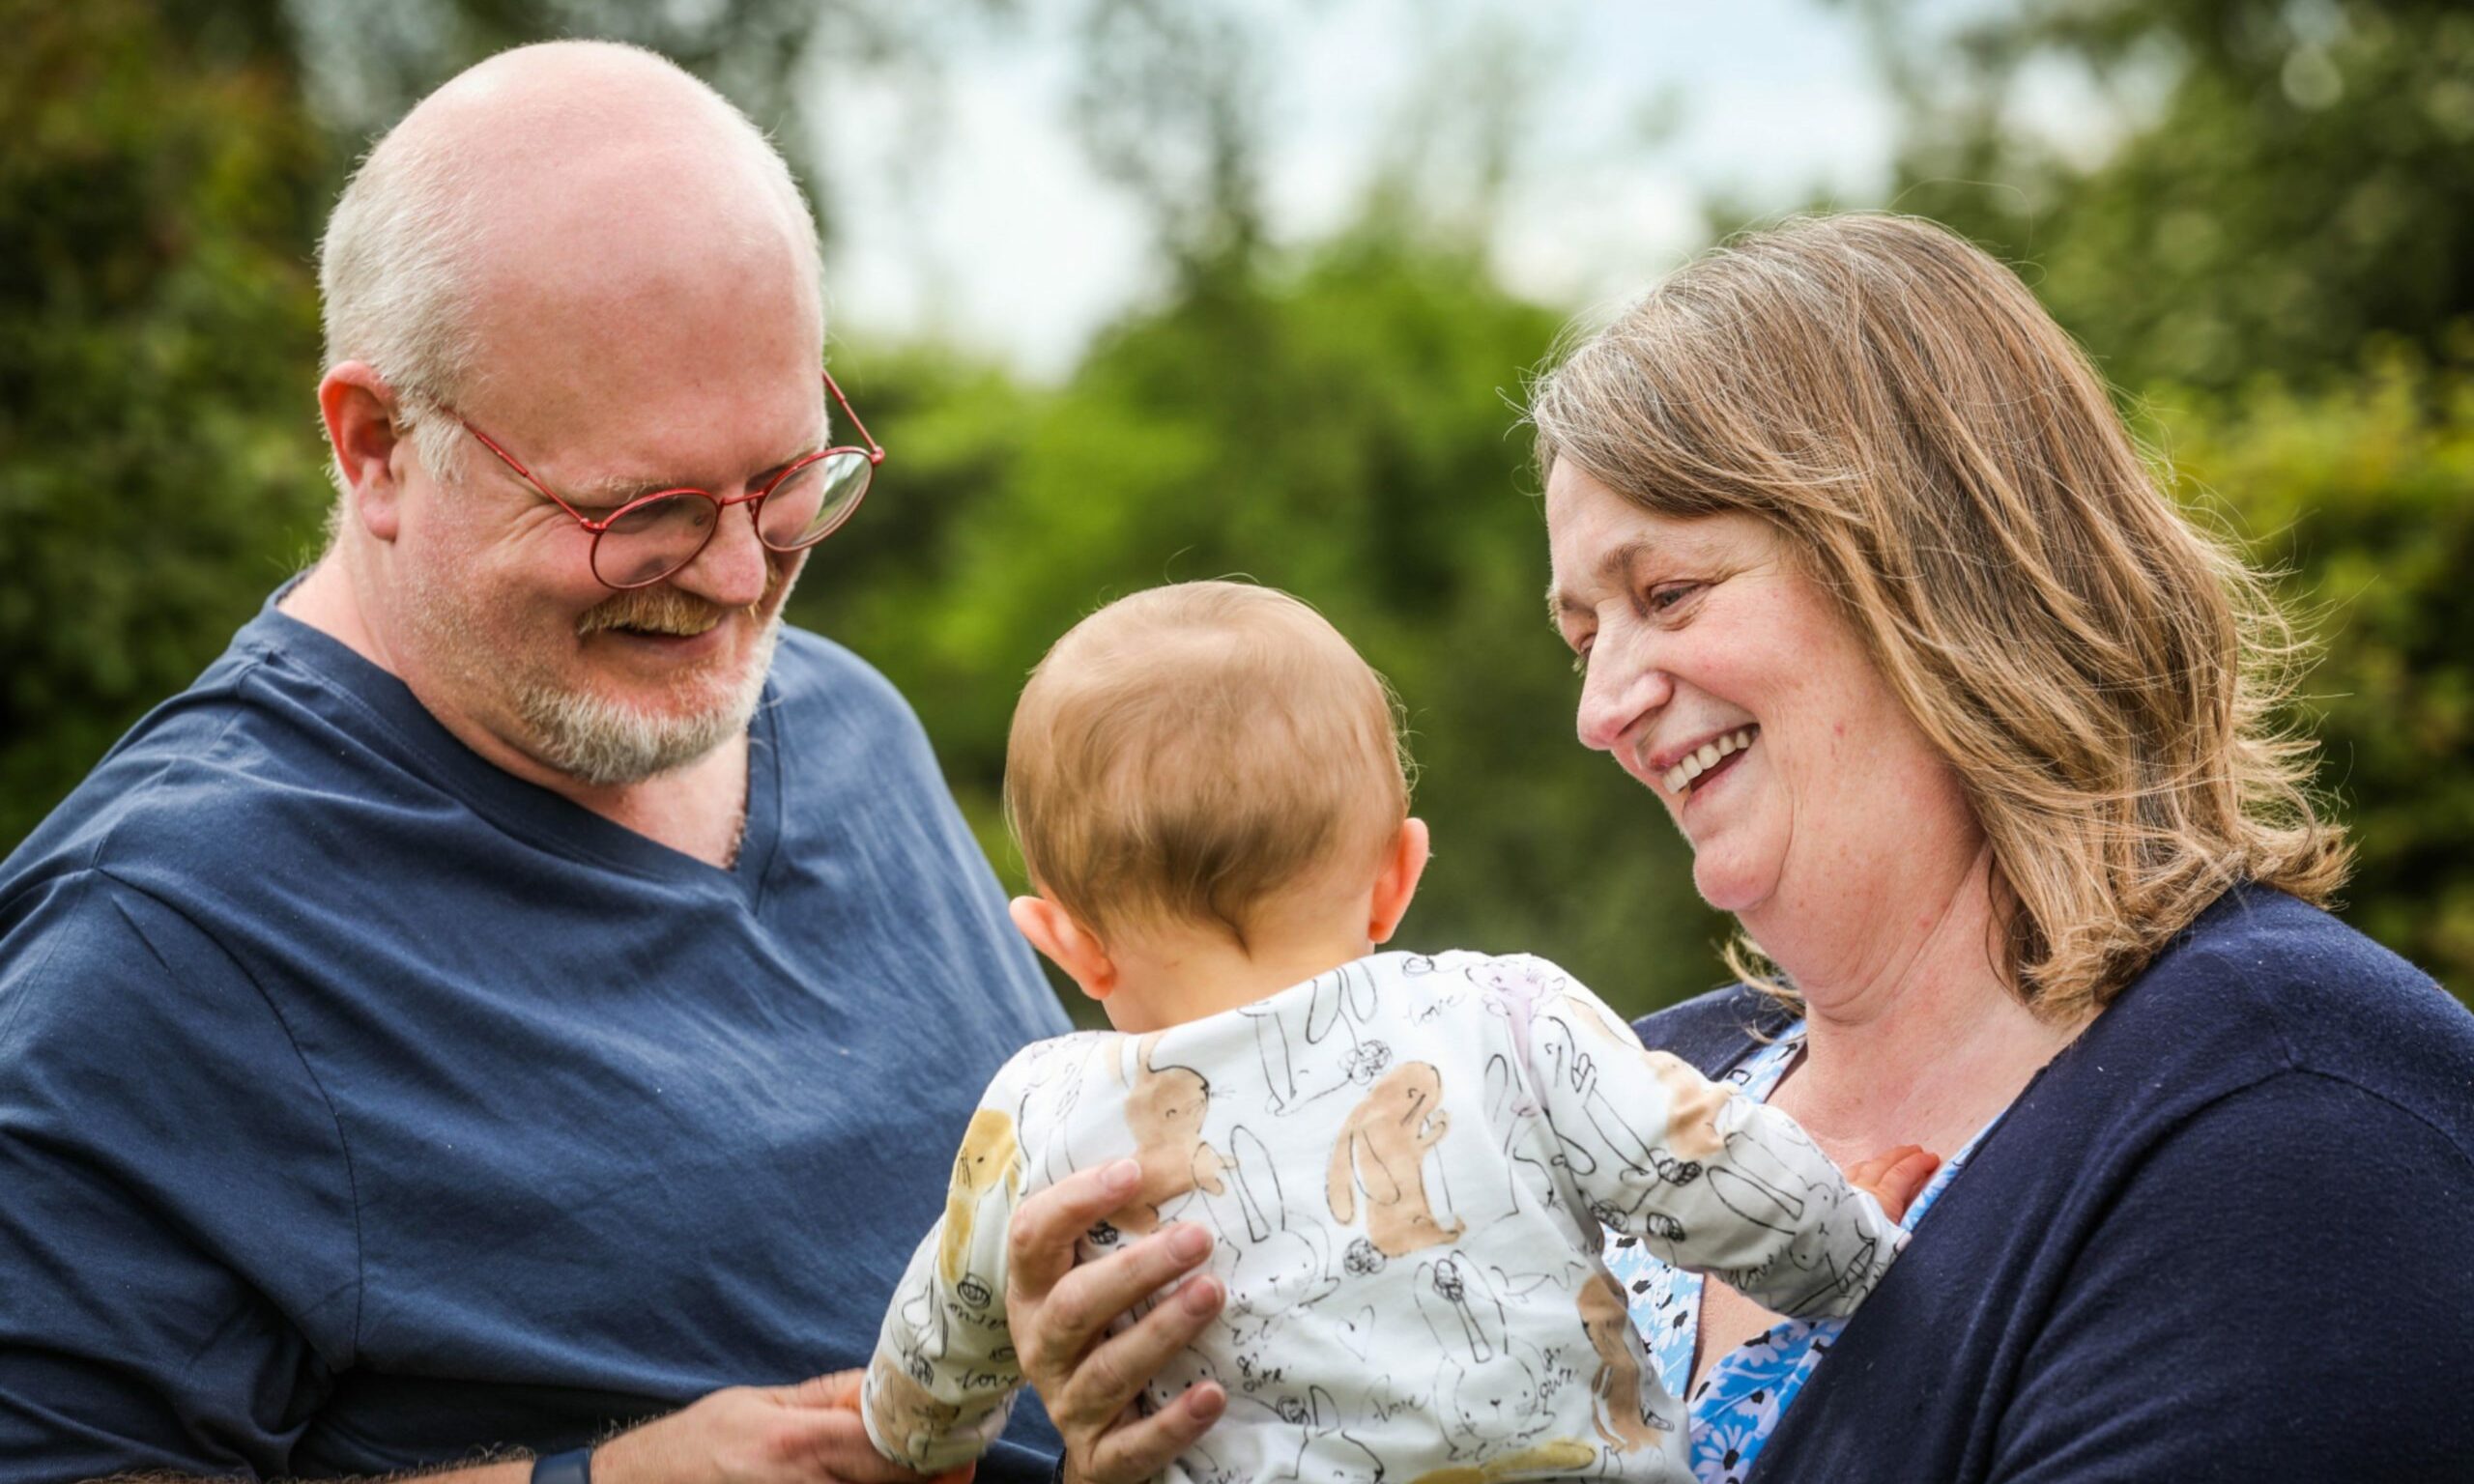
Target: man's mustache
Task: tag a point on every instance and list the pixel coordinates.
(662, 609)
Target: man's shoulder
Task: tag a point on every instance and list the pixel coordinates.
(223, 766)
(814, 672)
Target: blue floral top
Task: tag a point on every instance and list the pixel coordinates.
(1740, 1401)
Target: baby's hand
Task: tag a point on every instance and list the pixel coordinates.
(1894, 1177)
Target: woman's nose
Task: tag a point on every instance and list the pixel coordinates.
(1617, 690)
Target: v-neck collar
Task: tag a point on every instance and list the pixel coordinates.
(538, 815)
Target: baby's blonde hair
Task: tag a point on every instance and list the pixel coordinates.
(1189, 753)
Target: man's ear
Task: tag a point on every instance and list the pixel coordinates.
(1066, 943)
(360, 412)
(1397, 885)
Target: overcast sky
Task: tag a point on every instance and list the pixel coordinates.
(974, 214)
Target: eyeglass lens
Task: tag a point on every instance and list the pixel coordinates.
(648, 541)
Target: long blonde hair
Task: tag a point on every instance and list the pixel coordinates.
(1941, 457)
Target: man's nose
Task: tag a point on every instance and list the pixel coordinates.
(730, 570)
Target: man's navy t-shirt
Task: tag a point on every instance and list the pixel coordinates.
(363, 1106)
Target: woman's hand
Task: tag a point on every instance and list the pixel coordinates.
(1060, 1314)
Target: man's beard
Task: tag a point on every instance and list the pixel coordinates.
(603, 743)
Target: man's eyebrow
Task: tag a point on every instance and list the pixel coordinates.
(619, 489)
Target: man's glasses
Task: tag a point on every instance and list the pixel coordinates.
(653, 535)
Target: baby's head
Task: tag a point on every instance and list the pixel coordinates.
(1209, 770)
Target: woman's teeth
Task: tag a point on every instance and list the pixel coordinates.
(1680, 777)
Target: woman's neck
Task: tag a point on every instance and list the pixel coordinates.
(1911, 1034)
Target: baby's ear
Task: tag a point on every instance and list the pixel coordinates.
(1396, 884)
(1066, 943)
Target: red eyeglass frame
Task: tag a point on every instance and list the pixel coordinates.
(753, 500)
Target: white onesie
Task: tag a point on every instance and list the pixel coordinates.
(1410, 1162)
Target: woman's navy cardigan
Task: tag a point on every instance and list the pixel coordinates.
(2227, 1234)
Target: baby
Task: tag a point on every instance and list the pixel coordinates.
(1411, 1161)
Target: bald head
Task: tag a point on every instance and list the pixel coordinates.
(574, 204)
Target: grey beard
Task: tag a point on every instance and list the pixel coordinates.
(604, 745)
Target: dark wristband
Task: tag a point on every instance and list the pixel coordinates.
(574, 1466)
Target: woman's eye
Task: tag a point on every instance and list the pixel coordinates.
(1667, 595)
(1580, 658)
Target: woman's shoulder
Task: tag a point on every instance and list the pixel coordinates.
(2266, 936)
(2296, 982)
(1716, 1031)
(2268, 980)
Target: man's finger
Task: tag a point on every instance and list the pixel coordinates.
(1114, 1373)
(841, 1389)
(1140, 1449)
(1084, 1302)
(1040, 1243)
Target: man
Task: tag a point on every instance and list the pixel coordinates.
(506, 997)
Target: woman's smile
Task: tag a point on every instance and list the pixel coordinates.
(1700, 766)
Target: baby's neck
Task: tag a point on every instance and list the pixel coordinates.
(1188, 975)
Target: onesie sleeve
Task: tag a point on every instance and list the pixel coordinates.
(944, 1374)
(1708, 1179)
(171, 1301)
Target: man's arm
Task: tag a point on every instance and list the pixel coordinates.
(158, 1129)
(178, 1254)
(807, 1434)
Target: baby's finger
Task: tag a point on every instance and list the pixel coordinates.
(1911, 1172)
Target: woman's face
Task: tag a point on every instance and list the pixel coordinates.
(1725, 679)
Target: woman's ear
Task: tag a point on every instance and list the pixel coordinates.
(1397, 885)
(360, 413)
(1066, 943)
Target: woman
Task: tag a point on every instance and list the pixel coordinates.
(1968, 728)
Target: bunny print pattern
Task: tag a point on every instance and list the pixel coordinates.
(1411, 1164)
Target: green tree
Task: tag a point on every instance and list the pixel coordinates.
(1343, 428)
(158, 467)
(2290, 176)
(2359, 492)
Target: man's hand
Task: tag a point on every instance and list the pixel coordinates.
(807, 1434)
(1060, 1315)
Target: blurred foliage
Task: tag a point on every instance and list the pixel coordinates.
(2292, 176)
(2361, 493)
(2277, 248)
(160, 467)
(1339, 428)
(366, 64)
